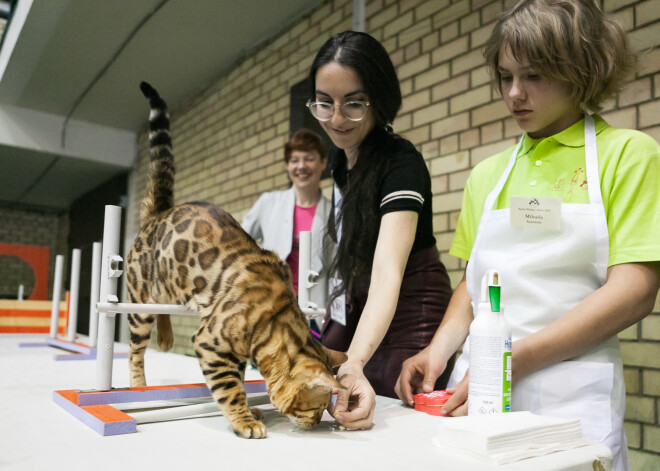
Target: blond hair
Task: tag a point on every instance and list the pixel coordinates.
(570, 41)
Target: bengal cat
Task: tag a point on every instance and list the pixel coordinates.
(197, 255)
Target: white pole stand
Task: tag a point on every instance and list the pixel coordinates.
(307, 277)
(80, 351)
(57, 292)
(21, 290)
(73, 295)
(94, 294)
(111, 269)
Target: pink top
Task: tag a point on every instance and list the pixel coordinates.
(302, 221)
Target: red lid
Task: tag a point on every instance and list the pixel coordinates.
(435, 398)
(432, 402)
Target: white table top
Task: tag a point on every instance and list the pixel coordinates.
(37, 434)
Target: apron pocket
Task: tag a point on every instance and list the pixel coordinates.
(572, 390)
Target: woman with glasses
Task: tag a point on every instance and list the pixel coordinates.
(390, 290)
(278, 217)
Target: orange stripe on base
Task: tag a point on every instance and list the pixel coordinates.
(24, 330)
(29, 313)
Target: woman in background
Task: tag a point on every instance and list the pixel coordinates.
(278, 217)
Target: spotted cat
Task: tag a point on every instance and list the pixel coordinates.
(197, 255)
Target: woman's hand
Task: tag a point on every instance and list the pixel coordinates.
(355, 405)
(457, 404)
(419, 374)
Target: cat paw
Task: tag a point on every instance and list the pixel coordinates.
(138, 380)
(252, 429)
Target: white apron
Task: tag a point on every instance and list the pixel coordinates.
(545, 273)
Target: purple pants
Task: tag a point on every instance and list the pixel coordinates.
(423, 300)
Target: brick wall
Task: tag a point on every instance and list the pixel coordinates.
(228, 139)
(31, 227)
(14, 271)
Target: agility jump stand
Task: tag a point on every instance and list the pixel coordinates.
(81, 351)
(93, 407)
(307, 277)
(72, 319)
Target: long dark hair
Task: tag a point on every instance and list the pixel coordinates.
(360, 215)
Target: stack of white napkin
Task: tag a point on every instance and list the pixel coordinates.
(509, 437)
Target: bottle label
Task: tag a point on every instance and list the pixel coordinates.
(506, 381)
(489, 389)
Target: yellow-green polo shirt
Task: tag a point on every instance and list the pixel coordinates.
(629, 168)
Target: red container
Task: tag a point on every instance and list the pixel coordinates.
(432, 402)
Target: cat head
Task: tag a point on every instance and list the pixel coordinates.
(309, 386)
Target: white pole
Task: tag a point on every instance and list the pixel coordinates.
(304, 265)
(179, 412)
(108, 292)
(305, 277)
(73, 295)
(21, 289)
(57, 291)
(136, 308)
(94, 294)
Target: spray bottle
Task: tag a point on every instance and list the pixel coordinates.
(489, 387)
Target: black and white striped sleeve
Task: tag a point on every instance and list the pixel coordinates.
(406, 186)
(415, 197)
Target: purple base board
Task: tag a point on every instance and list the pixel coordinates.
(156, 393)
(71, 346)
(104, 420)
(93, 409)
(33, 344)
(82, 356)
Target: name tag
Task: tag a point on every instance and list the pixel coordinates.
(338, 306)
(536, 212)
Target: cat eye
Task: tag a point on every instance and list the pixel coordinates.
(353, 110)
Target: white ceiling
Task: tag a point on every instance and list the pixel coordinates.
(70, 106)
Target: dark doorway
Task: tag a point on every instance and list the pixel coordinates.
(86, 217)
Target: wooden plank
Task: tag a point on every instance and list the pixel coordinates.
(93, 409)
(70, 346)
(84, 356)
(156, 393)
(103, 419)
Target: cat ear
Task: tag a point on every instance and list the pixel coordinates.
(326, 380)
(336, 358)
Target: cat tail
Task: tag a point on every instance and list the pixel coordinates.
(160, 192)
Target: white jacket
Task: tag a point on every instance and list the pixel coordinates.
(271, 219)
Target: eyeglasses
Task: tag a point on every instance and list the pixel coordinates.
(353, 110)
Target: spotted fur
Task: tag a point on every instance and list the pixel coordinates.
(197, 255)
